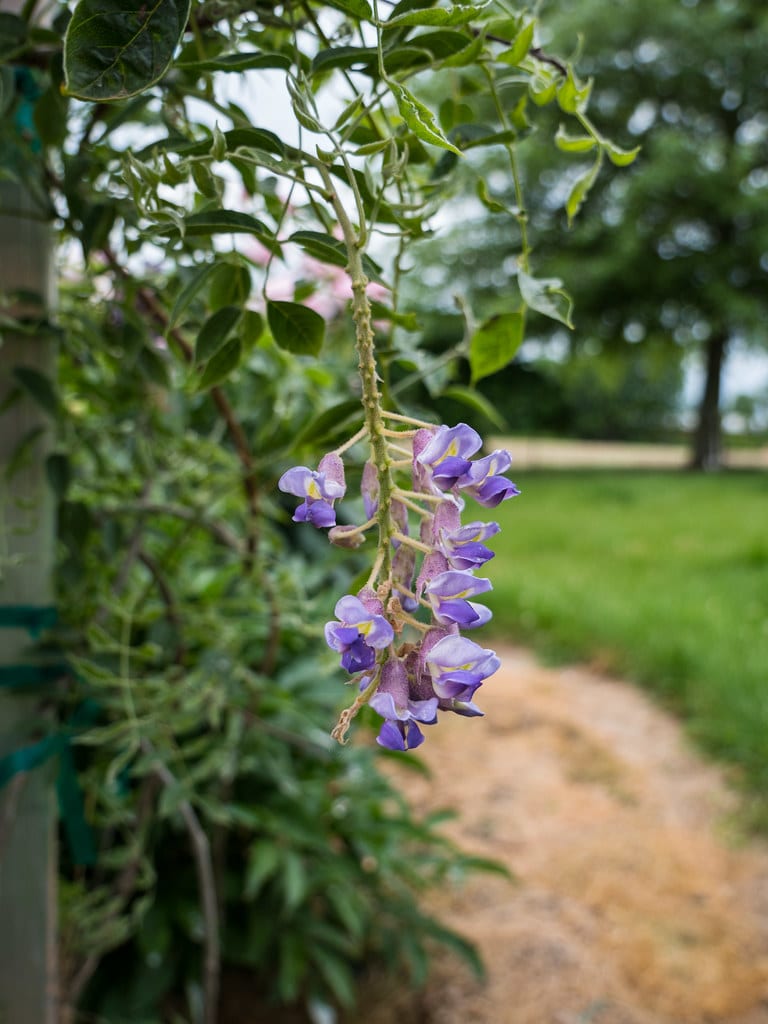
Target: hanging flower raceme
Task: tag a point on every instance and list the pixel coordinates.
(400, 636)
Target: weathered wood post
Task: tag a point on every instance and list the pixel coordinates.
(28, 989)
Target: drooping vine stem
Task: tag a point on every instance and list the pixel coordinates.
(371, 396)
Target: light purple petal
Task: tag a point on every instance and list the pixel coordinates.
(424, 710)
(452, 653)
(481, 615)
(384, 704)
(458, 611)
(493, 491)
(460, 441)
(473, 533)
(494, 464)
(338, 637)
(452, 689)
(296, 481)
(350, 610)
(456, 583)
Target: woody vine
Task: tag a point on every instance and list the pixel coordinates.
(206, 351)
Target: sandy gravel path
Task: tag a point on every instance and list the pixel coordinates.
(635, 902)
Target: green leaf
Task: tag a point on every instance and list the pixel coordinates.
(59, 473)
(238, 62)
(23, 454)
(481, 190)
(572, 96)
(51, 117)
(204, 180)
(294, 880)
(191, 290)
(263, 862)
(114, 49)
(428, 48)
(494, 344)
(322, 247)
(521, 44)
(216, 222)
(330, 422)
(370, 148)
(618, 156)
(39, 388)
(221, 364)
(7, 88)
(251, 326)
(337, 974)
(470, 54)
(542, 88)
(296, 328)
(477, 402)
(408, 320)
(214, 332)
(546, 296)
(458, 15)
(13, 35)
(574, 143)
(357, 8)
(154, 366)
(420, 119)
(581, 187)
(328, 249)
(231, 285)
(358, 57)
(235, 138)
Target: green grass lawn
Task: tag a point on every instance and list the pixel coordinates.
(662, 577)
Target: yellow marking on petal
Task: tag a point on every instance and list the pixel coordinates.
(313, 491)
(452, 449)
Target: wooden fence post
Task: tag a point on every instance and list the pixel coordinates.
(28, 975)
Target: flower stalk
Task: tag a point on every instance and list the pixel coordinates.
(420, 588)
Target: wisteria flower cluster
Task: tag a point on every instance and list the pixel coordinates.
(400, 637)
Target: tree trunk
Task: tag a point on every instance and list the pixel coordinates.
(707, 441)
(28, 976)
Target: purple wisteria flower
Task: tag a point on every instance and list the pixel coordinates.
(484, 482)
(448, 594)
(423, 580)
(448, 453)
(463, 547)
(319, 488)
(393, 702)
(358, 635)
(458, 666)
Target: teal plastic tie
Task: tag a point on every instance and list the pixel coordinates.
(70, 796)
(33, 618)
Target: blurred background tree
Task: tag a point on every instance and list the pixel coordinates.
(671, 255)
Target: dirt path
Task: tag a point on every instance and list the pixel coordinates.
(634, 904)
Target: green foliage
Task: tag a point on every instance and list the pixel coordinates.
(673, 249)
(196, 367)
(640, 572)
(113, 51)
